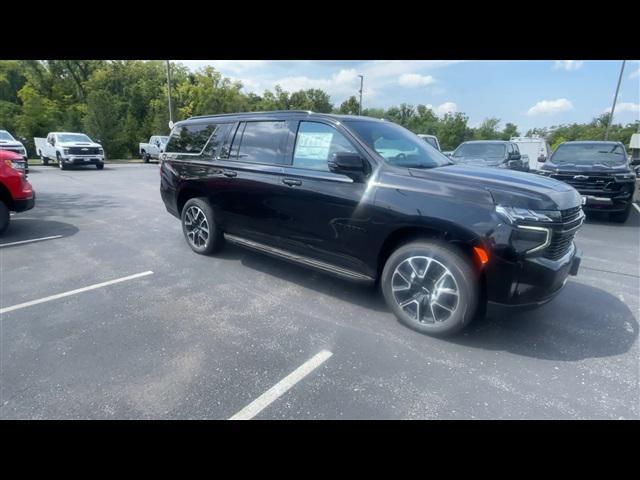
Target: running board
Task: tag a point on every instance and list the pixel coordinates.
(300, 259)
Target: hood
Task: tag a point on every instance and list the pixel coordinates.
(507, 187)
(10, 143)
(585, 168)
(78, 144)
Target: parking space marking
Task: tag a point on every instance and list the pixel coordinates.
(73, 292)
(637, 207)
(268, 397)
(29, 241)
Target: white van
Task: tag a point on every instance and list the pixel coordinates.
(536, 148)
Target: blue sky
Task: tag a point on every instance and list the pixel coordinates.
(527, 93)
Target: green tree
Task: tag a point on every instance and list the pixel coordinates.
(488, 130)
(510, 130)
(453, 130)
(104, 122)
(350, 106)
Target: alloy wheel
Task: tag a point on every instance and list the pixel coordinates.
(197, 227)
(425, 289)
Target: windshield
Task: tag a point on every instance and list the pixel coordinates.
(590, 153)
(397, 145)
(73, 137)
(6, 136)
(481, 150)
(163, 139)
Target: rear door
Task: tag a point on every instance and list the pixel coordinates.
(253, 162)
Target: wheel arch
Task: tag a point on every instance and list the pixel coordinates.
(186, 192)
(6, 197)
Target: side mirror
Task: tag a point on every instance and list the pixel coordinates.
(542, 158)
(514, 156)
(635, 161)
(347, 163)
(637, 169)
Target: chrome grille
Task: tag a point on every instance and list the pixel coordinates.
(590, 183)
(562, 235)
(84, 151)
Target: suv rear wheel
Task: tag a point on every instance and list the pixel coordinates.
(431, 287)
(199, 227)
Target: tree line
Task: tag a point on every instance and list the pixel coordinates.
(124, 102)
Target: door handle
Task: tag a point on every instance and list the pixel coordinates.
(230, 173)
(292, 182)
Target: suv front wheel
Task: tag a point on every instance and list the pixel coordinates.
(431, 287)
(199, 227)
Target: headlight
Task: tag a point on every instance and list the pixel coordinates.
(526, 239)
(515, 214)
(65, 151)
(100, 151)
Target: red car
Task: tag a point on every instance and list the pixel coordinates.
(16, 193)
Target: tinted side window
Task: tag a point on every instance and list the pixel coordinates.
(214, 145)
(315, 144)
(190, 138)
(262, 142)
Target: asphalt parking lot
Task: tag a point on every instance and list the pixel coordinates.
(241, 334)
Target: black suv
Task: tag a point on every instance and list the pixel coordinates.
(600, 171)
(491, 153)
(367, 200)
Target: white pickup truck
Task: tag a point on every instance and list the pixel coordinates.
(68, 149)
(153, 148)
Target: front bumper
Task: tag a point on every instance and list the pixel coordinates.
(80, 160)
(24, 204)
(530, 281)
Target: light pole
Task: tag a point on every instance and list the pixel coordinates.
(613, 107)
(360, 106)
(169, 84)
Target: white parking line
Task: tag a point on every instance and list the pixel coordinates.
(73, 292)
(29, 241)
(268, 397)
(636, 206)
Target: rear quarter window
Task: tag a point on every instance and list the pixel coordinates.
(190, 139)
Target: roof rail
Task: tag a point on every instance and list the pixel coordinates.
(248, 113)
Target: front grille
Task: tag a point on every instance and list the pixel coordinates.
(84, 151)
(562, 235)
(589, 183)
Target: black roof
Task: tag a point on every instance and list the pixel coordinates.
(278, 113)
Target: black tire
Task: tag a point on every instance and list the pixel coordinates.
(214, 239)
(60, 162)
(44, 160)
(462, 276)
(5, 218)
(145, 157)
(620, 217)
(99, 166)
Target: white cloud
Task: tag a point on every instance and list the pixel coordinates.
(567, 65)
(446, 107)
(623, 107)
(343, 82)
(546, 107)
(415, 80)
(635, 74)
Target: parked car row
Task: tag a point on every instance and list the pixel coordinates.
(600, 171)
